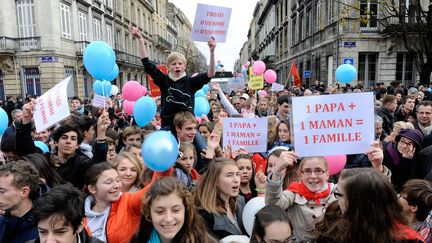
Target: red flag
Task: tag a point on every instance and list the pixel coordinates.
(295, 74)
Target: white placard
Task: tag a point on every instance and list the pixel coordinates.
(52, 106)
(211, 21)
(248, 133)
(333, 124)
(277, 87)
(236, 84)
(101, 101)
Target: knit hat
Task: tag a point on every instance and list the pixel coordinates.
(412, 134)
(244, 96)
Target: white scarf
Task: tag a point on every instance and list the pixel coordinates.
(175, 78)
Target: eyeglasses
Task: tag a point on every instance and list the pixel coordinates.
(405, 142)
(317, 172)
(290, 239)
(337, 194)
(111, 151)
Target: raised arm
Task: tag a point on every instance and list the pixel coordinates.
(141, 47)
(212, 46)
(24, 141)
(224, 101)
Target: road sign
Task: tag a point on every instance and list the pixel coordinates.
(349, 44)
(348, 60)
(306, 74)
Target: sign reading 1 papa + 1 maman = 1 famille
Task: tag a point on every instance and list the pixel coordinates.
(333, 124)
(247, 133)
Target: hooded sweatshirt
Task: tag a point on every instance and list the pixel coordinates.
(96, 221)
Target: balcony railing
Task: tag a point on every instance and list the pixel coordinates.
(80, 46)
(127, 58)
(160, 41)
(12, 45)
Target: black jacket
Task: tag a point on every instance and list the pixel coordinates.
(388, 119)
(177, 95)
(74, 169)
(18, 229)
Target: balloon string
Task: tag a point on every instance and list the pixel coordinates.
(103, 94)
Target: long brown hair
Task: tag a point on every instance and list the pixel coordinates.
(206, 197)
(193, 229)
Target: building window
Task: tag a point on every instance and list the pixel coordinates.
(318, 69)
(330, 17)
(65, 21)
(301, 27)
(88, 87)
(32, 81)
(82, 22)
(405, 68)
(293, 31)
(368, 14)
(2, 93)
(367, 68)
(308, 22)
(109, 3)
(96, 29)
(317, 14)
(70, 71)
(26, 18)
(109, 34)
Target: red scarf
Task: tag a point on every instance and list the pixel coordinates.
(301, 189)
(404, 232)
(194, 174)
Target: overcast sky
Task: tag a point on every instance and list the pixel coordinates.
(241, 16)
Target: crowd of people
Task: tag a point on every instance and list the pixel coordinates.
(94, 186)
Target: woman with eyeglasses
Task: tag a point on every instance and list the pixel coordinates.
(370, 209)
(305, 200)
(272, 225)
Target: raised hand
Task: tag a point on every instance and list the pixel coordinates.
(211, 44)
(102, 125)
(214, 86)
(286, 160)
(135, 32)
(260, 178)
(28, 110)
(375, 155)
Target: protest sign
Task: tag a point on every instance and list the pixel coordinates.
(236, 84)
(248, 133)
(100, 101)
(211, 21)
(333, 124)
(277, 87)
(256, 82)
(154, 89)
(52, 107)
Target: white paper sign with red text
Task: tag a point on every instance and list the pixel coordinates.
(52, 106)
(333, 124)
(211, 21)
(247, 133)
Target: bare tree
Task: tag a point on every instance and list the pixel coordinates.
(406, 22)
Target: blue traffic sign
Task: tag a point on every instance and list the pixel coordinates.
(348, 60)
(306, 74)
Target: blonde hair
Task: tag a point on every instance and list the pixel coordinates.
(206, 197)
(272, 132)
(176, 56)
(135, 162)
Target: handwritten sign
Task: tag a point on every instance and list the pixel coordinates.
(333, 124)
(154, 89)
(101, 101)
(248, 133)
(277, 87)
(211, 21)
(256, 82)
(52, 107)
(236, 84)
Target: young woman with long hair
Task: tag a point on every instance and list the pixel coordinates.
(247, 173)
(129, 168)
(169, 215)
(217, 198)
(371, 209)
(184, 166)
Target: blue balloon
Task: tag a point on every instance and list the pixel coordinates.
(346, 73)
(429, 90)
(106, 87)
(97, 87)
(42, 146)
(200, 93)
(114, 73)
(144, 110)
(99, 59)
(205, 88)
(160, 150)
(4, 121)
(202, 106)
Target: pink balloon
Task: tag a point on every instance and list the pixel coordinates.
(239, 75)
(258, 67)
(270, 76)
(132, 91)
(335, 163)
(144, 90)
(128, 106)
(262, 93)
(199, 119)
(193, 75)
